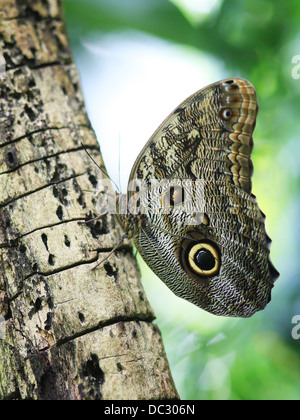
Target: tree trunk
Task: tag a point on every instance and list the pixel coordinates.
(67, 331)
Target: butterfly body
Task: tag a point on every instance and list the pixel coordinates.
(189, 207)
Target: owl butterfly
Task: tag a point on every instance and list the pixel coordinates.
(189, 207)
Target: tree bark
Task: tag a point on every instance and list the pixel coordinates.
(67, 331)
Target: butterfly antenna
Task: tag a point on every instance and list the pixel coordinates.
(101, 169)
(111, 252)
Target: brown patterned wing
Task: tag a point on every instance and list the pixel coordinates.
(221, 263)
(214, 125)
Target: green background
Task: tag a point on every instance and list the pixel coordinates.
(212, 357)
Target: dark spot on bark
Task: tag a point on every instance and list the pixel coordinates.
(111, 271)
(81, 317)
(37, 306)
(93, 181)
(76, 185)
(16, 95)
(45, 240)
(10, 158)
(48, 322)
(23, 249)
(93, 377)
(55, 191)
(5, 308)
(67, 241)
(119, 367)
(60, 194)
(30, 112)
(81, 200)
(64, 192)
(59, 212)
(134, 333)
(51, 259)
(50, 302)
(141, 296)
(31, 82)
(98, 228)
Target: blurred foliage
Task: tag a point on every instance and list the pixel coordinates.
(255, 39)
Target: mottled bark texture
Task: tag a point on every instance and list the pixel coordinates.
(67, 332)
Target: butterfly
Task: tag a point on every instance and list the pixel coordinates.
(189, 208)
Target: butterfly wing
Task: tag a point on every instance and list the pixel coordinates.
(219, 261)
(216, 124)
